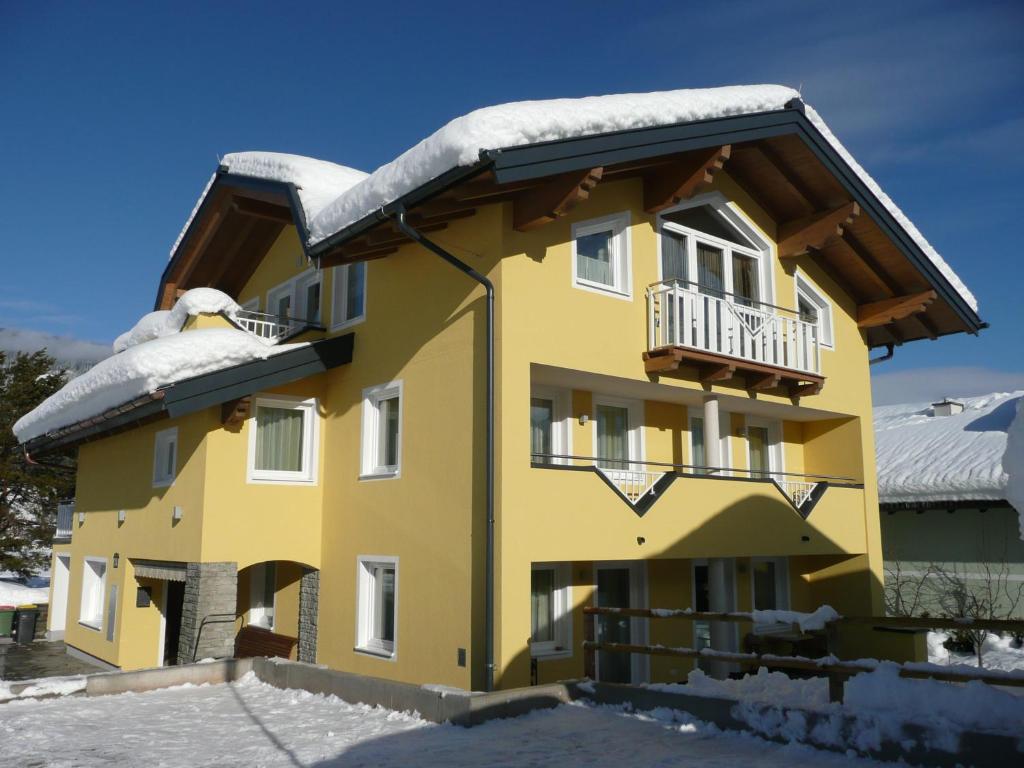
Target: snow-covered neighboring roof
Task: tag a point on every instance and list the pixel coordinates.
(318, 181)
(460, 142)
(961, 457)
(153, 354)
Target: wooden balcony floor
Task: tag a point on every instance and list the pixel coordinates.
(711, 367)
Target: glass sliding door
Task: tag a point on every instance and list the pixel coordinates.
(613, 436)
(675, 263)
(542, 417)
(613, 591)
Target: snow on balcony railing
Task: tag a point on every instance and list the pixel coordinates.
(679, 315)
(65, 517)
(271, 327)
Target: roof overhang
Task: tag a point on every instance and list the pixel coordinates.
(210, 389)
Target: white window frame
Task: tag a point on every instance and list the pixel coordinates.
(561, 646)
(635, 439)
(339, 298)
(802, 286)
(93, 595)
(561, 433)
(621, 256)
(302, 282)
(310, 441)
(286, 288)
(366, 607)
(782, 590)
(252, 305)
(371, 426)
(258, 616)
(161, 440)
(725, 444)
(775, 453)
(760, 249)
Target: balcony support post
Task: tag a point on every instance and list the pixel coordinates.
(712, 432)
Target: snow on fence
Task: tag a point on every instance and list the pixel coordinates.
(837, 671)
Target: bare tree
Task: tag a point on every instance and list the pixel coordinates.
(906, 592)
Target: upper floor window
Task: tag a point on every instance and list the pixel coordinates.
(549, 429)
(298, 297)
(283, 440)
(617, 432)
(165, 457)
(600, 254)
(814, 308)
(349, 295)
(704, 247)
(382, 430)
(764, 447)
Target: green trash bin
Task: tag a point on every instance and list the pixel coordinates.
(6, 620)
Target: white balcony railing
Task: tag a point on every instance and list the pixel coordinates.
(632, 483)
(272, 327)
(65, 517)
(681, 316)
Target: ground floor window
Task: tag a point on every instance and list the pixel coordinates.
(94, 582)
(550, 610)
(771, 583)
(262, 590)
(377, 622)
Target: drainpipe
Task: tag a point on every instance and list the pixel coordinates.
(890, 349)
(416, 236)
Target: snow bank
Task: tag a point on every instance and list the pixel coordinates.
(165, 322)
(44, 686)
(965, 456)
(19, 594)
(998, 653)
(318, 181)
(460, 142)
(765, 687)
(808, 622)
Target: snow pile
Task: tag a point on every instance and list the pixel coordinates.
(961, 457)
(164, 322)
(765, 687)
(999, 654)
(18, 594)
(318, 181)
(808, 622)
(527, 122)
(44, 686)
(1013, 464)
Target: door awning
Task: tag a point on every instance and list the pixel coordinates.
(159, 569)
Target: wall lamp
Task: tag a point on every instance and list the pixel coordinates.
(116, 559)
(176, 514)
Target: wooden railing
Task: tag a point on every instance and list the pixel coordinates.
(679, 315)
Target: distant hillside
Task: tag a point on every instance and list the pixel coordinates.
(73, 355)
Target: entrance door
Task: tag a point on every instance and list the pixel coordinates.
(59, 609)
(174, 600)
(620, 586)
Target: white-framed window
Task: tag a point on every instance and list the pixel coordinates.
(281, 300)
(298, 297)
(382, 431)
(764, 447)
(377, 617)
(550, 610)
(813, 307)
(707, 247)
(348, 302)
(549, 425)
(94, 583)
(283, 440)
(165, 457)
(262, 594)
(769, 580)
(618, 432)
(699, 442)
(601, 258)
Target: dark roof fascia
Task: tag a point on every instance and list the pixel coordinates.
(940, 505)
(563, 155)
(199, 392)
(238, 181)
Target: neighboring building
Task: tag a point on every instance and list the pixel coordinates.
(687, 289)
(943, 488)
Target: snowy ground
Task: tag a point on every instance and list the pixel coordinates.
(18, 594)
(997, 653)
(252, 724)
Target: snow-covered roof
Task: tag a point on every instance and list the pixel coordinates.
(154, 354)
(961, 457)
(318, 181)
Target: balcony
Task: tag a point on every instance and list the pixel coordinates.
(641, 483)
(726, 336)
(65, 518)
(274, 328)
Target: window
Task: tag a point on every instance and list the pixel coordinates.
(94, 582)
(617, 432)
(349, 295)
(377, 621)
(770, 579)
(165, 457)
(307, 297)
(279, 302)
(550, 610)
(600, 254)
(764, 448)
(699, 443)
(262, 592)
(382, 430)
(549, 428)
(283, 437)
(814, 308)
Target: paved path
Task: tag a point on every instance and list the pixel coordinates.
(40, 659)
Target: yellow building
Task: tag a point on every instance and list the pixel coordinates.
(667, 302)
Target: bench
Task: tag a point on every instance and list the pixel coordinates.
(258, 641)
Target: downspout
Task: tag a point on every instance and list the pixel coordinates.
(414, 235)
(890, 349)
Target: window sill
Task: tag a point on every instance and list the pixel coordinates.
(270, 480)
(603, 290)
(381, 475)
(551, 655)
(88, 625)
(377, 653)
(348, 323)
(163, 483)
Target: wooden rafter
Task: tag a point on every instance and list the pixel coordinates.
(670, 184)
(764, 381)
(261, 210)
(814, 231)
(226, 257)
(889, 310)
(342, 256)
(535, 208)
(795, 184)
(234, 412)
(871, 264)
(719, 372)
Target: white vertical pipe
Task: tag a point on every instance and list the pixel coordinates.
(712, 432)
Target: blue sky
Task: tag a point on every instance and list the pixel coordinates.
(114, 116)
